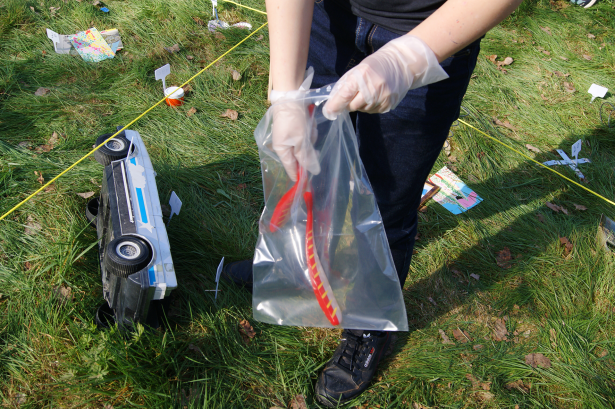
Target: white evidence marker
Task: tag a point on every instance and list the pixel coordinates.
(175, 204)
(576, 148)
(161, 74)
(597, 91)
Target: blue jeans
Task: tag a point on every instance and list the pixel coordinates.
(399, 148)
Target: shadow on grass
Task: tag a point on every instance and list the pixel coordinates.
(503, 263)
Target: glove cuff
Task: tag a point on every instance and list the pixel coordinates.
(276, 96)
(419, 60)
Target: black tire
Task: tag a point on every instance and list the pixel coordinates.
(126, 255)
(105, 316)
(91, 211)
(116, 148)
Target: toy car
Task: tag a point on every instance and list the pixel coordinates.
(135, 256)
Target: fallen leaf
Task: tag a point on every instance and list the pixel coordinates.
(535, 360)
(507, 61)
(189, 57)
(86, 195)
(546, 30)
(553, 207)
(219, 35)
(191, 111)
(246, 331)
(298, 402)
(431, 300)
(567, 245)
(43, 148)
(543, 97)
(53, 10)
(445, 338)
(480, 155)
(173, 49)
(32, 226)
(580, 207)
(34, 11)
(27, 265)
(42, 91)
(241, 186)
(492, 58)
(504, 258)
(259, 38)
(540, 217)
(587, 57)
(505, 124)
(563, 210)
(39, 177)
(187, 88)
(500, 332)
(236, 75)
(230, 114)
(198, 21)
(23, 144)
(532, 148)
(484, 396)
(517, 385)
(477, 347)
(475, 276)
(546, 52)
(62, 293)
(591, 36)
(563, 58)
(461, 336)
(561, 74)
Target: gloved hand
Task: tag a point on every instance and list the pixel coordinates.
(383, 79)
(292, 140)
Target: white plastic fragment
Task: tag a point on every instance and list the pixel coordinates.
(597, 91)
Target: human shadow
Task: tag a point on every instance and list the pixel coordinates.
(504, 233)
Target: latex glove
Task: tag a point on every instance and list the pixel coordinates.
(383, 79)
(292, 140)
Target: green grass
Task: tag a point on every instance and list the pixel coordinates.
(51, 354)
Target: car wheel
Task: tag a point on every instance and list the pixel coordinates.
(126, 255)
(91, 211)
(116, 148)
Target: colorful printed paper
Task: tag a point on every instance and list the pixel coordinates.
(91, 46)
(454, 195)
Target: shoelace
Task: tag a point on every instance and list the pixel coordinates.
(354, 351)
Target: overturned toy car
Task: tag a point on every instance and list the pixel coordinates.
(135, 256)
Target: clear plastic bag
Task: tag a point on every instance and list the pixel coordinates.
(322, 257)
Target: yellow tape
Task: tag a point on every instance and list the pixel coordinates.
(126, 126)
(538, 163)
(245, 7)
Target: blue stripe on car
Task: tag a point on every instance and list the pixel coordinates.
(141, 205)
(152, 276)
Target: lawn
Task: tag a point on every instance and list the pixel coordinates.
(486, 289)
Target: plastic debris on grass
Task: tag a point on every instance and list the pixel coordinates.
(91, 45)
(454, 195)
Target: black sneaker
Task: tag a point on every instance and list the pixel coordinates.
(352, 367)
(240, 273)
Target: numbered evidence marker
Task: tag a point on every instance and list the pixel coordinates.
(175, 204)
(597, 91)
(576, 148)
(574, 164)
(161, 74)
